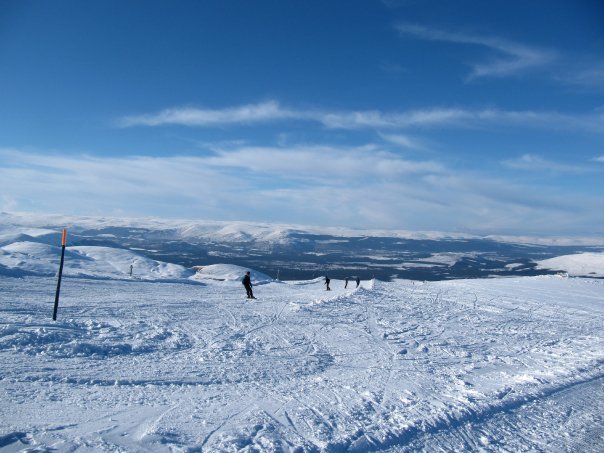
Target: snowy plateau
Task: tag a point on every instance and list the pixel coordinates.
(175, 358)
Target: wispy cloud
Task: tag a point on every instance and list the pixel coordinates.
(512, 58)
(584, 75)
(326, 163)
(517, 57)
(403, 141)
(366, 119)
(599, 159)
(532, 162)
(189, 116)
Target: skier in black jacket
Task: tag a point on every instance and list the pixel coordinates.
(247, 282)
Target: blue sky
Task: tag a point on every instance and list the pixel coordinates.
(465, 116)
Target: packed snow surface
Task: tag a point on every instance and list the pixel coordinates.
(499, 364)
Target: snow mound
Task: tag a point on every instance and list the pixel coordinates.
(228, 272)
(579, 265)
(31, 258)
(85, 261)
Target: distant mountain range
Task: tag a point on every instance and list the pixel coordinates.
(298, 253)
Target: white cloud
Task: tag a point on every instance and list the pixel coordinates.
(189, 116)
(328, 163)
(377, 119)
(232, 183)
(518, 57)
(364, 119)
(98, 185)
(599, 159)
(462, 118)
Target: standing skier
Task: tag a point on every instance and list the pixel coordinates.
(358, 281)
(327, 280)
(247, 282)
(346, 284)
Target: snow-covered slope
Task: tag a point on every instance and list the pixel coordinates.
(100, 262)
(581, 264)
(500, 364)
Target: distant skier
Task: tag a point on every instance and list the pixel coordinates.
(247, 282)
(346, 284)
(358, 281)
(327, 280)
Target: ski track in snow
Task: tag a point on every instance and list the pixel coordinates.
(514, 364)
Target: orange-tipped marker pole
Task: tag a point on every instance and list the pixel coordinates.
(63, 243)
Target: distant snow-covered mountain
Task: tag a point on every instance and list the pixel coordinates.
(239, 231)
(296, 252)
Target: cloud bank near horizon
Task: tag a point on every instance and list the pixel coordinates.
(327, 186)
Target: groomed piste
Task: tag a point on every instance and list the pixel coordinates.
(175, 361)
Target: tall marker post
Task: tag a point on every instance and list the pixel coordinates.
(63, 242)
